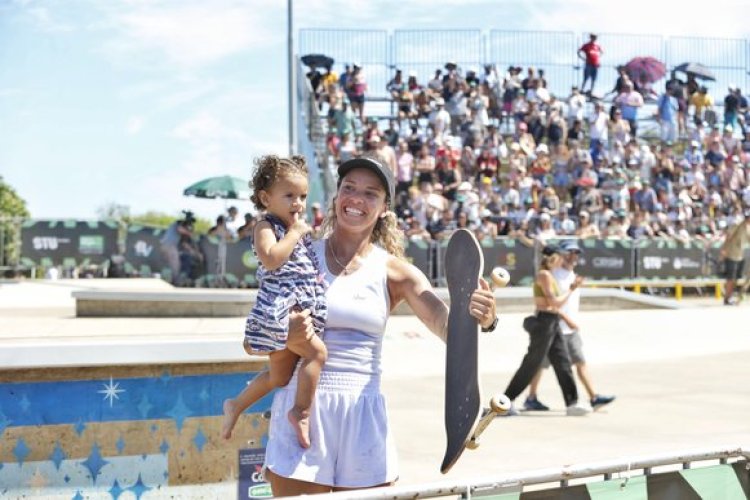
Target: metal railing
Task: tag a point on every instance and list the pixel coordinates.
(466, 488)
(380, 52)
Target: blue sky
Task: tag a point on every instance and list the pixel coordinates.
(128, 102)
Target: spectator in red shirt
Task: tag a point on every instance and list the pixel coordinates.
(590, 53)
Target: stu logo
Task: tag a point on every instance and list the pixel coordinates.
(48, 242)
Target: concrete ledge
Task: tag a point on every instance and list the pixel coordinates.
(227, 303)
(173, 303)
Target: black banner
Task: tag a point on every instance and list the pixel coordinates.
(241, 263)
(517, 258)
(509, 253)
(606, 259)
(142, 251)
(420, 253)
(68, 243)
(669, 259)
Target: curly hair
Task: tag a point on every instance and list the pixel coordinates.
(270, 168)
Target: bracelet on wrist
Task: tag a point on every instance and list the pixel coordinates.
(492, 327)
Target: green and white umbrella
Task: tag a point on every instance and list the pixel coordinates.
(226, 187)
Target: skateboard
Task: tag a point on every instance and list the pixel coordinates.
(499, 405)
(463, 402)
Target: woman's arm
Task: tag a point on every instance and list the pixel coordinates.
(407, 283)
(545, 279)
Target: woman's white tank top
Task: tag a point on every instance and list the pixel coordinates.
(358, 309)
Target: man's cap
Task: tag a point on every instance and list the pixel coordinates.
(570, 246)
(550, 250)
(382, 171)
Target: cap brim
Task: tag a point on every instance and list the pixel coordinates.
(385, 175)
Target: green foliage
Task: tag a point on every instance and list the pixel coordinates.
(11, 205)
(12, 211)
(161, 219)
(121, 214)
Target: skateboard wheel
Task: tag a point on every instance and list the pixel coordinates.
(473, 444)
(500, 404)
(500, 276)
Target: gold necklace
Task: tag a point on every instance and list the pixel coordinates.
(344, 268)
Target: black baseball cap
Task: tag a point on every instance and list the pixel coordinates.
(550, 250)
(382, 171)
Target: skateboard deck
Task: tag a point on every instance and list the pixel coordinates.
(463, 267)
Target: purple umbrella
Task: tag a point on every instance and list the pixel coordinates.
(645, 69)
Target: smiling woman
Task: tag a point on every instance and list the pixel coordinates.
(366, 277)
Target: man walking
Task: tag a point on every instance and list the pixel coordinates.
(732, 251)
(565, 276)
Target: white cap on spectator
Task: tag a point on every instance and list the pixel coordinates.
(695, 144)
(545, 217)
(542, 148)
(440, 101)
(728, 128)
(464, 186)
(735, 159)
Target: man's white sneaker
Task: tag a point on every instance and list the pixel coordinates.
(577, 410)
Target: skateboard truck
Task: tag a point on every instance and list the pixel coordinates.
(499, 405)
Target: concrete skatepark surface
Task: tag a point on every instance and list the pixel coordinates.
(679, 377)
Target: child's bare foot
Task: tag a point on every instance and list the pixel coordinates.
(300, 421)
(231, 414)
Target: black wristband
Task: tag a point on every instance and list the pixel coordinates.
(492, 327)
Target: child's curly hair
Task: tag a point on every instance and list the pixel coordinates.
(270, 168)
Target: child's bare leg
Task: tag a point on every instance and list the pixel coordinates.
(280, 363)
(313, 354)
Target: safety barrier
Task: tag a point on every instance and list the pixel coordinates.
(625, 263)
(729, 479)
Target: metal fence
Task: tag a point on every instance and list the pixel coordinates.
(680, 475)
(423, 51)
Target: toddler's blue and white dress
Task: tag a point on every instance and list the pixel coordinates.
(298, 282)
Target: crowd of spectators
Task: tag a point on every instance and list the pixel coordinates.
(499, 153)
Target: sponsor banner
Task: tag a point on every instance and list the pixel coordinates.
(606, 259)
(720, 481)
(517, 258)
(669, 259)
(67, 243)
(420, 253)
(142, 251)
(509, 253)
(251, 484)
(241, 263)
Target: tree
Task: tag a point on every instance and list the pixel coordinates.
(12, 211)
